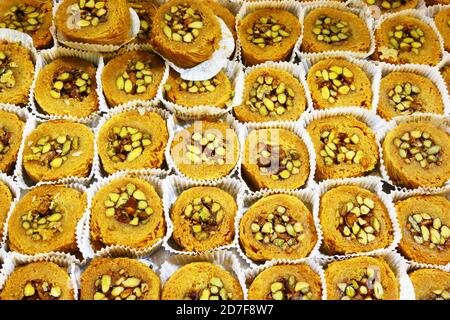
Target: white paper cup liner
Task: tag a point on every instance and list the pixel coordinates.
(15, 191)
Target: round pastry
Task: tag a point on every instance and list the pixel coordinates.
(353, 220)
(406, 39)
(94, 21)
(45, 220)
(286, 282)
(38, 281)
(202, 281)
(6, 198)
(33, 17)
(131, 76)
(345, 147)
(271, 94)
(16, 73)
(331, 29)
(389, 6)
(268, 34)
(145, 10)
(445, 71)
(275, 159)
(58, 149)
(431, 284)
(127, 212)
(416, 155)
(425, 226)
(119, 279)
(223, 13)
(185, 32)
(442, 20)
(11, 130)
(339, 83)
(205, 150)
(131, 141)
(277, 227)
(216, 91)
(361, 278)
(67, 86)
(405, 93)
(203, 218)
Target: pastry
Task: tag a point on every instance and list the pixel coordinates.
(202, 281)
(6, 199)
(425, 225)
(275, 159)
(345, 147)
(119, 279)
(433, 2)
(11, 131)
(38, 281)
(131, 76)
(67, 86)
(271, 94)
(431, 284)
(286, 282)
(223, 13)
(339, 83)
(388, 6)
(205, 150)
(445, 71)
(442, 20)
(45, 220)
(145, 10)
(203, 218)
(277, 226)
(33, 17)
(268, 34)
(405, 93)
(131, 141)
(185, 32)
(416, 155)
(127, 212)
(331, 29)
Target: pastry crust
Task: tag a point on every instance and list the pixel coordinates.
(445, 71)
(11, 131)
(427, 282)
(442, 19)
(223, 13)
(6, 198)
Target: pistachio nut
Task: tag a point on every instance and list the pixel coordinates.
(5, 139)
(119, 285)
(406, 38)
(339, 147)
(208, 147)
(418, 147)
(441, 294)
(145, 21)
(127, 143)
(365, 287)
(7, 67)
(136, 78)
(403, 98)
(22, 17)
(281, 163)
(331, 30)
(41, 290)
(182, 24)
(335, 81)
(387, 4)
(289, 288)
(215, 290)
(89, 13)
(267, 31)
(71, 83)
(428, 231)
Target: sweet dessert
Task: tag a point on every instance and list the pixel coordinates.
(223, 13)
(132, 141)
(145, 10)
(6, 198)
(11, 131)
(41, 280)
(431, 284)
(271, 94)
(286, 282)
(388, 6)
(268, 34)
(416, 155)
(119, 279)
(131, 76)
(405, 93)
(445, 71)
(67, 86)
(45, 220)
(425, 226)
(127, 212)
(203, 218)
(442, 20)
(205, 150)
(345, 147)
(185, 32)
(275, 159)
(433, 2)
(277, 227)
(339, 83)
(202, 281)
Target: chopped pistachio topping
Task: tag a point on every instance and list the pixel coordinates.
(388, 4)
(419, 146)
(7, 78)
(73, 84)
(340, 148)
(119, 286)
(406, 38)
(136, 78)
(91, 12)
(366, 287)
(441, 294)
(403, 98)
(281, 163)
(5, 139)
(43, 222)
(182, 24)
(127, 144)
(145, 22)
(267, 31)
(428, 231)
(335, 81)
(208, 147)
(41, 290)
(215, 290)
(331, 30)
(288, 288)
(23, 18)
(198, 86)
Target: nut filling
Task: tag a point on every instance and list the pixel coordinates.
(267, 31)
(53, 152)
(402, 97)
(356, 220)
(119, 286)
(206, 216)
(279, 229)
(340, 148)
(331, 30)
(335, 81)
(127, 144)
(40, 290)
(277, 161)
(270, 96)
(389, 4)
(7, 79)
(428, 231)
(208, 148)
(214, 291)
(88, 13)
(145, 23)
(182, 24)
(136, 78)
(73, 84)
(366, 287)
(23, 18)
(128, 205)
(419, 146)
(406, 38)
(44, 221)
(198, 86)
(288, 288)
(441, 294)
(5, 138)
